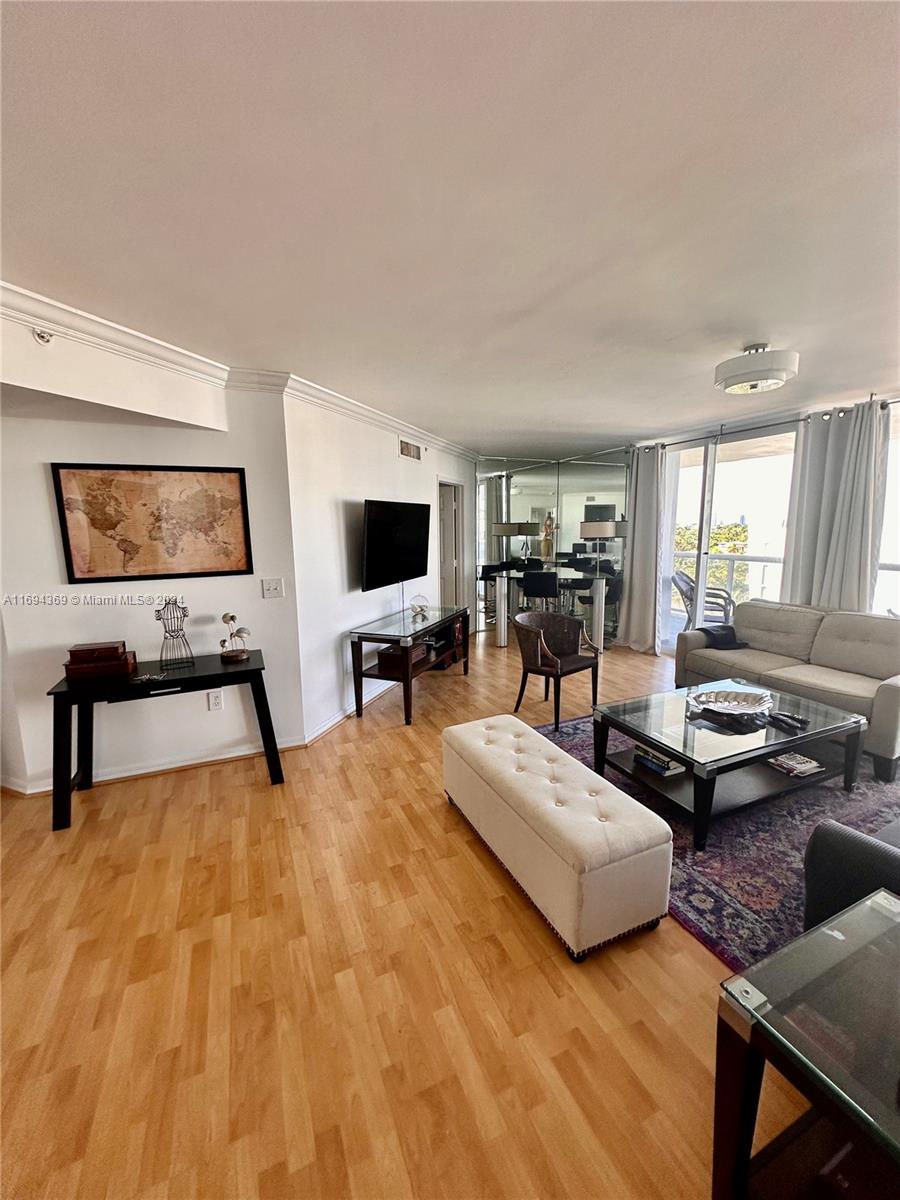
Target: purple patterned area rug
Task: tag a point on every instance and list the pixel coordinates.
(743, 896)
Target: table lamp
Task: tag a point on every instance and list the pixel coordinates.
(511, 529)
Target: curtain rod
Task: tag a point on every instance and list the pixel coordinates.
(667, 445)
(768, 425)
(702, 437)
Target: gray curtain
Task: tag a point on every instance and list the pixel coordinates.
(837, 508)
(495, 512)
(640, 609)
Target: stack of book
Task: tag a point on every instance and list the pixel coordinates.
(796, 764)
(656, 762)
(90, 662)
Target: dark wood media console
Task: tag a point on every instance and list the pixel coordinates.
(444, 632)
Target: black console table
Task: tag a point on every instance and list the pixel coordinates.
(445, 631)
(206, 673)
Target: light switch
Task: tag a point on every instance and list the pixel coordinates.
(273, 589)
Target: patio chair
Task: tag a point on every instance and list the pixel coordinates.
(718, 607)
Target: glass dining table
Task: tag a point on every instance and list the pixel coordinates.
(597, 584)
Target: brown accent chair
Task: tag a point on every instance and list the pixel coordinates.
(550, 645)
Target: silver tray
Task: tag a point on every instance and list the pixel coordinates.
(732, 702)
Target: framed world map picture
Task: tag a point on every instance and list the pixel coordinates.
(125, 522)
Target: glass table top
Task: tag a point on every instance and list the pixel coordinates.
(663, 718)
(562, 572)
(404, 624)
(831, 1000)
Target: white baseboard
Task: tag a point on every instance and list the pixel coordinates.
(329, 723)
(14, 783)
(44, 783)
(29, 787)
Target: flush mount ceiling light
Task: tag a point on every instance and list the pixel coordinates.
(758, 369)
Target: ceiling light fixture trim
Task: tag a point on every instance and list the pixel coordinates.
(758, 369)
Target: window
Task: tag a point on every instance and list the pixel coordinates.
(887, 585)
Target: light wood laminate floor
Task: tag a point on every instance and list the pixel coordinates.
(215, 988)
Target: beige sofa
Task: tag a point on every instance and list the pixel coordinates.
(848, 660)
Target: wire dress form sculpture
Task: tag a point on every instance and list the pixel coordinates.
(176, 649)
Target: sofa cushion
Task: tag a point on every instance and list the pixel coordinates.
(584, 818)
(840, 689)
(736, 664)
(860, 642)
(788, 629)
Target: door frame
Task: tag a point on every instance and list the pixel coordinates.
(459, 535)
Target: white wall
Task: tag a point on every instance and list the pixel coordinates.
(98, 392)
(13, 753)
(145, 736)
(336, 462)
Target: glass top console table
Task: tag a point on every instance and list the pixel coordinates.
(825, 1012)
(435, 640)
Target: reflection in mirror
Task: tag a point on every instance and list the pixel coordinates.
(532, 502)
(540, 510)
(592, 492)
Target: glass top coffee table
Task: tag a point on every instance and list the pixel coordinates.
(825, 1011)
(661, 722)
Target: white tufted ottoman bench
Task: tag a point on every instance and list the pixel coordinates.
(595, 862)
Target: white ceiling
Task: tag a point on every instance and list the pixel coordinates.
(529, 228)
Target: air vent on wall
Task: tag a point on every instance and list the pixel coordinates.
(410, 450)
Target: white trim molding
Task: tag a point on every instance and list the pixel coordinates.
(295, 388)
(41, 314)
(45, 316)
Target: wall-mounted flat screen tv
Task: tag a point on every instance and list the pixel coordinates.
(395, 542)
(599, 512)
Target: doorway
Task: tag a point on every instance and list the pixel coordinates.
(450, 509)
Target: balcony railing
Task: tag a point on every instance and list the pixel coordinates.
(687, 559)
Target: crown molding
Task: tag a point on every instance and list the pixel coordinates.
(40, 313)
(249, 379)
(295, 388)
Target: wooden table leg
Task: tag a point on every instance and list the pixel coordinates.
(62, 762)
(356, 658)
(704, 790)
(85, 745)
(465, 643)
(601, 739)
(739, 1072)
(406, 667)
(266, 728)
(853, 747)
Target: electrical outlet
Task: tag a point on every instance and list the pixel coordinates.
(273, 589)
(215, 701)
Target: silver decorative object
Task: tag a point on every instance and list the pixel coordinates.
(234, 653)
(732, 702)
(176, 649)
(418, 606)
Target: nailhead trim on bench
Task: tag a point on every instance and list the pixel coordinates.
(575, 955)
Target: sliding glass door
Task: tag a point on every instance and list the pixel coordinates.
(750, 498)
(727, 512)
(684, 476)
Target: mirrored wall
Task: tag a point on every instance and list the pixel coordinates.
(558, 511)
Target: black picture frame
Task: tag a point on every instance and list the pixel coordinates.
(58, 467)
